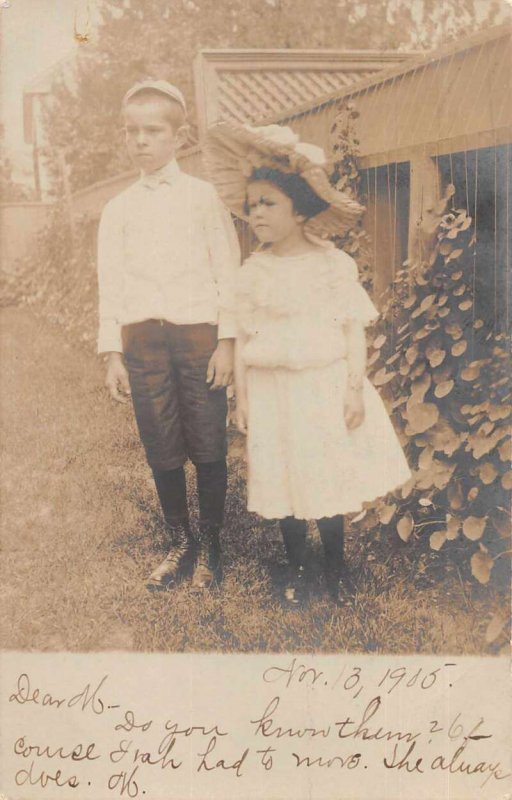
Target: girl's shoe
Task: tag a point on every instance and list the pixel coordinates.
(340, 585)
(296, 589)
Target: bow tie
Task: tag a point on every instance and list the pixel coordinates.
(155, 180)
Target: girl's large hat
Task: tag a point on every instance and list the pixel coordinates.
(233, 151)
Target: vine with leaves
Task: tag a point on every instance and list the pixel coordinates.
(445, 377)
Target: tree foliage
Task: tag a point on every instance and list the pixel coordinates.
(11, 191)
(136, 39)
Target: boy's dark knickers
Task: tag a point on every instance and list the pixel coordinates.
(177, 414)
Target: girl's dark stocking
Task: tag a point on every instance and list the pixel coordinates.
(332, 535)
(339, 583)
(294, 532)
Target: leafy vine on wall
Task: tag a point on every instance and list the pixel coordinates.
(445, 377)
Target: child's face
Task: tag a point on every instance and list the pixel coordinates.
(150, 137)
(271, 213)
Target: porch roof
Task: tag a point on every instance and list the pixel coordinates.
(455, 97)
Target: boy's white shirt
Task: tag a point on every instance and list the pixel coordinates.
(167, 249)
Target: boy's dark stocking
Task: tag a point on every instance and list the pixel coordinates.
(339, 583)
(294, 532)
(212, 480)
(211, 490)
(172, 492)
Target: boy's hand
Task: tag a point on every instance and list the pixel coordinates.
(116, 379)
(220, 366)
(354, 408)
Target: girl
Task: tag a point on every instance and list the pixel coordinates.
(319, 440)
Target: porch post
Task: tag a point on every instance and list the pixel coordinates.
(424, 206)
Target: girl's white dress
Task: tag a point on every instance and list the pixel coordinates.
(302, 460)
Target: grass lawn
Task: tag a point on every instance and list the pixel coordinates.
(81, 531)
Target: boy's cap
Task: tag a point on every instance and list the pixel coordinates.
(157, 86)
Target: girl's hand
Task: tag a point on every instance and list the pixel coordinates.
(354, 408)
(241, 415)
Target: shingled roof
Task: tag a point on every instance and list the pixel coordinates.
(252, 85)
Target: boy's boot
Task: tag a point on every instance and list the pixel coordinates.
(294, 532)
(207, 569)
(181, 551)
(337, 576)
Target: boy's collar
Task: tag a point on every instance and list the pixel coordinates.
(166, 174)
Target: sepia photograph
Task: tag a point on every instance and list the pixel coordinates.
(255, 399)
(255, 307)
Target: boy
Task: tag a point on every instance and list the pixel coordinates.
(167, 255)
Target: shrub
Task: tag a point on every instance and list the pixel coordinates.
(58, 276)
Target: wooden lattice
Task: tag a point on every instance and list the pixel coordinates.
(250, 86)
(252, 96)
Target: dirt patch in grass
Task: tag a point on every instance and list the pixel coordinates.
(81, 531)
